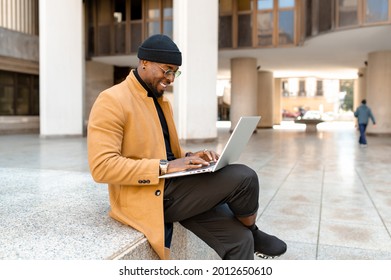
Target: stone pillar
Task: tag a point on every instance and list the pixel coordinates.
(244, 100)
(277, 113)
(61, 67)
(379, 91)
(98, 77)
(266, 98)
(360, 92)
(195, 98)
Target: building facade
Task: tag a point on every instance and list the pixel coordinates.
(233, 64)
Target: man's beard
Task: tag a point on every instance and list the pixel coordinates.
(154, 91)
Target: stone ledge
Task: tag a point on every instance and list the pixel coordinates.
(63, 215)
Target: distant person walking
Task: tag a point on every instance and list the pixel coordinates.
(363, 113)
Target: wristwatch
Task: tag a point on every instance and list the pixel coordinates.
(163, 166)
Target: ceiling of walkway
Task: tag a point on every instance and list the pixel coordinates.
(333, 55)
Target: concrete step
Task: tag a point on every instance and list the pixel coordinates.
(63, 215)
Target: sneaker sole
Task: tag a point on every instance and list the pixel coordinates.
(265, 257)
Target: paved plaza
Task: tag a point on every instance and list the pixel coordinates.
(322, 193)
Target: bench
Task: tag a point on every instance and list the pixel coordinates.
(310, 124)
(63, 215)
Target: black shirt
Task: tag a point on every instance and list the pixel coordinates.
(163, 123)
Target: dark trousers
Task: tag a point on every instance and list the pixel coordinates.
(362, 127)
(207, 204)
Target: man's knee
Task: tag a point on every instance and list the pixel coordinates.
(244, 172)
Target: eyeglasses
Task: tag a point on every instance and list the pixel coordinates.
(169, 73)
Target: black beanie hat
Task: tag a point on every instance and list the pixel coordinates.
(160, 48)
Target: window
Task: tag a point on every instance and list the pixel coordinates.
(302, 91)
(167, 18)
(285, 88)
(347, 13)
(225, 23)
(159, 15)
(265, 22)
(104, 19)
(265, 5)
(244, 23)
(119, 26)
(136, 16)
(286, 27)
(267, 13)
(376, 11)
(19, 94)
(286, 3)
(319, 88)
(325, 15)
(152, 16)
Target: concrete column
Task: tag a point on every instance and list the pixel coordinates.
(378, 91)
(244, 100)
(277, 112)
(61, 67)
(195, 98)
(98, 77)
(360, 92)
(266, 98)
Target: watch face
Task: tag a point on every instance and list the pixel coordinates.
(163, 162)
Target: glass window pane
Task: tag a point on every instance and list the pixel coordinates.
(347, 12)
(244, 31)
(153, 28)
(135, 36)
(22, 101)
(265, 4)
(6, 78)
(136, 9)
(119, 36)
(104, 12)
(319, 88)
(23, 79)
(286, 3)
(225, 6)
(286, 27)
(244, 5)
(152, 7)
(265, 29)
(120, 10)
(6, 100)
(376, 10)
(104, 40)
(167, 8)
(225, 32)
(325, 12)
(302, 91)
(167, 28)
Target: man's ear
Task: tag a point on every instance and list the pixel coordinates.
(144, 63)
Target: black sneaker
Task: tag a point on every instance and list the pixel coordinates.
(267, 246)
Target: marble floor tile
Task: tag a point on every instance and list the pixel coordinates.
(325, 196)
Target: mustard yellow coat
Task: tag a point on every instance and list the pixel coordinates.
(125, 144)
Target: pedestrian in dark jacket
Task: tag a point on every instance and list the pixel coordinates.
(363, 113)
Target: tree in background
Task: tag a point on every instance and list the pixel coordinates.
(347, 86)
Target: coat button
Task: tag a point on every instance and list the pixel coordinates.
(147, 181)
(157, 193)
(140, 181)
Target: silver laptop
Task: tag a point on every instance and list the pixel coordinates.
(232, 150)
